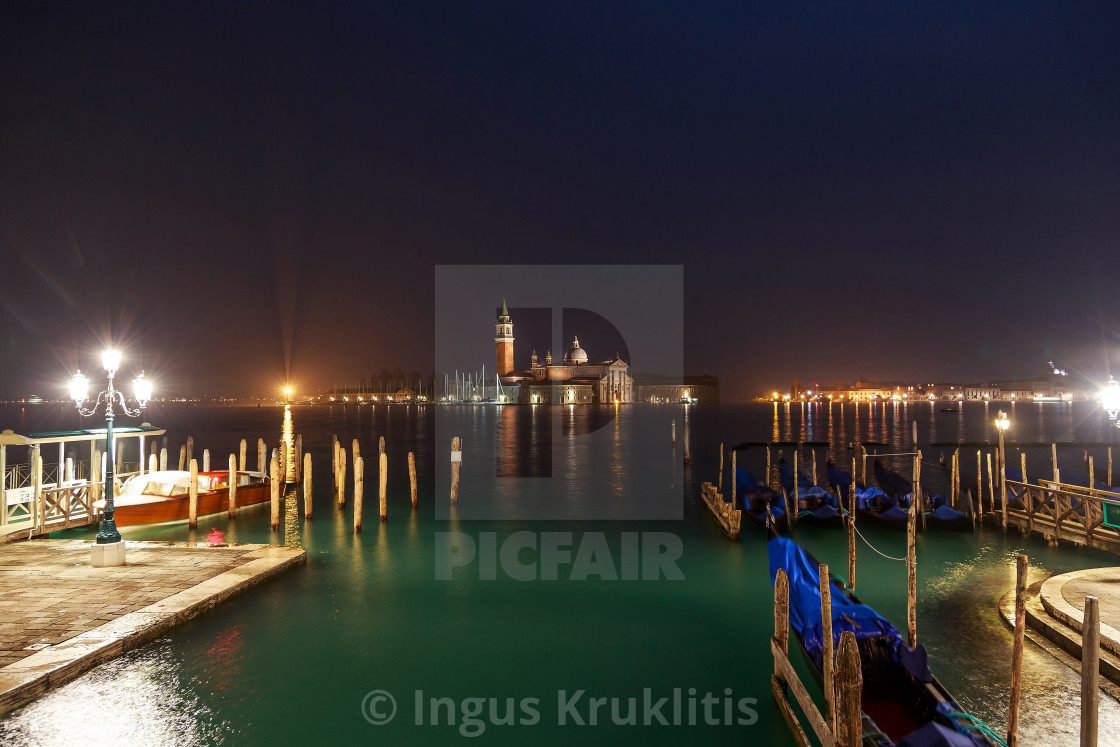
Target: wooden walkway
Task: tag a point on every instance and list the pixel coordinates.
(68, 506)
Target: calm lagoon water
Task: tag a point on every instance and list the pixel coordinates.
(297, 658)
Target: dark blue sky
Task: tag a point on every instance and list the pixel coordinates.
(242, 192)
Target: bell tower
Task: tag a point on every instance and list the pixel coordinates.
(503, 342)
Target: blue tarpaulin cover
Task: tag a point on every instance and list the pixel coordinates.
(894, 513)
(805, 602)
(946, 513)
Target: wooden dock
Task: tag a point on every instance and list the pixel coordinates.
(727, 516)
(31, 513)
(1059, 511)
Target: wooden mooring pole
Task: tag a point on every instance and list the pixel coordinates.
(720, 483)
(674, 431)
(192, 517)
(979, 484)
(916, 498)
(340, 477)
(232, 486)
(412, 476)
(849, 693)
(912, 576)
(991, 487)
(768, 465)
(827, 661)
(359, 490)
(1017, 650)
(274, 478)
(456, 463)
(1054, 462)
(383, 485)
(182, 457)
(796, 496)
(852, 535)
(1090, 671)
(261, 455)
(241, 456)
(307, 490)
(781, 615)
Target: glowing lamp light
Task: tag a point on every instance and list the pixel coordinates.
(1002, 423)
(79, 388)
(111, 360)
(1110, 398)
(142, 389)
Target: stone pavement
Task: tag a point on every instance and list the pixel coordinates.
(59, 616)
(1055, 610)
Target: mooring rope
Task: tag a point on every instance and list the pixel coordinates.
(888, 557)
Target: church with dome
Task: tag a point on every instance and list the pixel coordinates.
(575, 380)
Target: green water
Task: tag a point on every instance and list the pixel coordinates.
(295, 659)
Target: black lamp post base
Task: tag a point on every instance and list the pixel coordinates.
(108, 533)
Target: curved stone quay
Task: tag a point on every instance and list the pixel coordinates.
(1055, 609)
(60, 616)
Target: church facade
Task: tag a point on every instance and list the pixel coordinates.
(576, 380)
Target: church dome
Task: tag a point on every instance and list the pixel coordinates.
(575, 355)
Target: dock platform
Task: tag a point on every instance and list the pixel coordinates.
(1055, 608)
(60, 616)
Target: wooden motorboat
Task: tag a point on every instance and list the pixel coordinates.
(165, 495)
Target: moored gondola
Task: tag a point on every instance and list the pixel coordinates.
(903, 704)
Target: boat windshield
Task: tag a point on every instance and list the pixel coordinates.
(163, 485)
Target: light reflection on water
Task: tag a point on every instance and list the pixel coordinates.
(141, 697)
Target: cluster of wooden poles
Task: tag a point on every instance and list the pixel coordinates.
(284, 468)
(338, 464)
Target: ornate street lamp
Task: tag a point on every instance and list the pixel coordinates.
(1110, 400)
(142, 390)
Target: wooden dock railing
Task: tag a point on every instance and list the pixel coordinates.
(1059, 511)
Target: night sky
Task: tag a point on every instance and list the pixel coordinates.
(243, 193)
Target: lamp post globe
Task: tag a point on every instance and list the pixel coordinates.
(1110, 399)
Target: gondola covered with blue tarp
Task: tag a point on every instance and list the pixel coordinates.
(903, 703)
